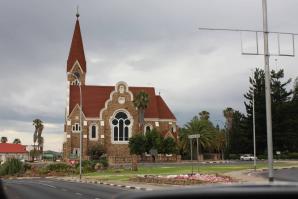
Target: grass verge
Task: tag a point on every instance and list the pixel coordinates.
(125, 174)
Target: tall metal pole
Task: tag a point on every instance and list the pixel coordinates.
(81, 129)
(191, 155)
(267, 93)
(254, 126)
(198, 149)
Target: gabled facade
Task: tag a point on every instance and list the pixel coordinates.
(109, 115)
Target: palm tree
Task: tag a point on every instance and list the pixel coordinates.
(38, 124)
(40, 143)
(228, 114)
(3, 139)
(219, 143)
(204, 115)
(141, 102)
(17, 141)
(202, 127)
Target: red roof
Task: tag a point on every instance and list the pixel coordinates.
(12, 148)
(76, 49)
(94, 98)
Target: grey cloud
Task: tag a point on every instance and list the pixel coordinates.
(151, 43)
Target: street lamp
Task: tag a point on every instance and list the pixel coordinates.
(254, 124)
(81, 125)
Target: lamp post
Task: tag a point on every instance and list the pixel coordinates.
(190, 137)
(81, 125)
(254, 124)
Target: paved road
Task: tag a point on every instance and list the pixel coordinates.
(189, 163)
(54, 189)
(290, 175)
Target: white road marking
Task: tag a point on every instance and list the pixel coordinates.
(79, 194)
(48, 185)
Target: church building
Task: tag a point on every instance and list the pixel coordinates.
(109, 115)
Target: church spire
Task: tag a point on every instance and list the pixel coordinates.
(76, 52)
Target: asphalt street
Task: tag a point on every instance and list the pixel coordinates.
(289, 175)
(195, 162)
(54, 189)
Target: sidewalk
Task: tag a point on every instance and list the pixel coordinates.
(247, 176)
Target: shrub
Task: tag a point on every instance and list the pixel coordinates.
(11, 167)
(234, 156)
(87, 166)
(293, 155)
(136, 144)
(262, 156)
(104, 161)
(95, 151)
(27, 167)
(59, 167)
(43, 171)
(169, 146)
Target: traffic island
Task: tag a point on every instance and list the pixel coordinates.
(186, 179)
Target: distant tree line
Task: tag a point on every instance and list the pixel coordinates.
(284, 100)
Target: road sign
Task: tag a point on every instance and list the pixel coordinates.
(194, 136)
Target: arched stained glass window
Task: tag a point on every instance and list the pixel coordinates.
(120, 124)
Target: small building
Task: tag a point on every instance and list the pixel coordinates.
(17, 151)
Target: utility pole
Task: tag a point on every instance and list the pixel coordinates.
(254, 125)
(267, 92)
(266, 55)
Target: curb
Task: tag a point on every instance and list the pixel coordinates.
(217, 162)
(295, 167)
(104, 183)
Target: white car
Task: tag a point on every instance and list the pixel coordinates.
(247, 157)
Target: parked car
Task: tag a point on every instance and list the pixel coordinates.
(247, 157)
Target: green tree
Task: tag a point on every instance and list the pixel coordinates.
(3, 139)
(219, 142)
(38, 124)
(154, 140)
(137, 144)
(240, 137)
(95, 151)
(295, 91)
(17, 141)
(281, 98)
(204, 115)
(169, 146)
(141, 101)
(204, 128)
(228, 114)
(183, 144)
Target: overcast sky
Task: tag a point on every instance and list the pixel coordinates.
(143, 42)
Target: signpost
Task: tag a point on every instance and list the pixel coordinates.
(190, 137)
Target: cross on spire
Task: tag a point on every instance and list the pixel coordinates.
(78, 14)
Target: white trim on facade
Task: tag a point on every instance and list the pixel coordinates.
(159, 120)
(102, 123)
(147, 125)
(96, 132)
(76, 127)
(126, 89)
(129, 127)
(72, 112)
(76, 62)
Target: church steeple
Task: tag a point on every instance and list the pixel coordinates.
(76, 52)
